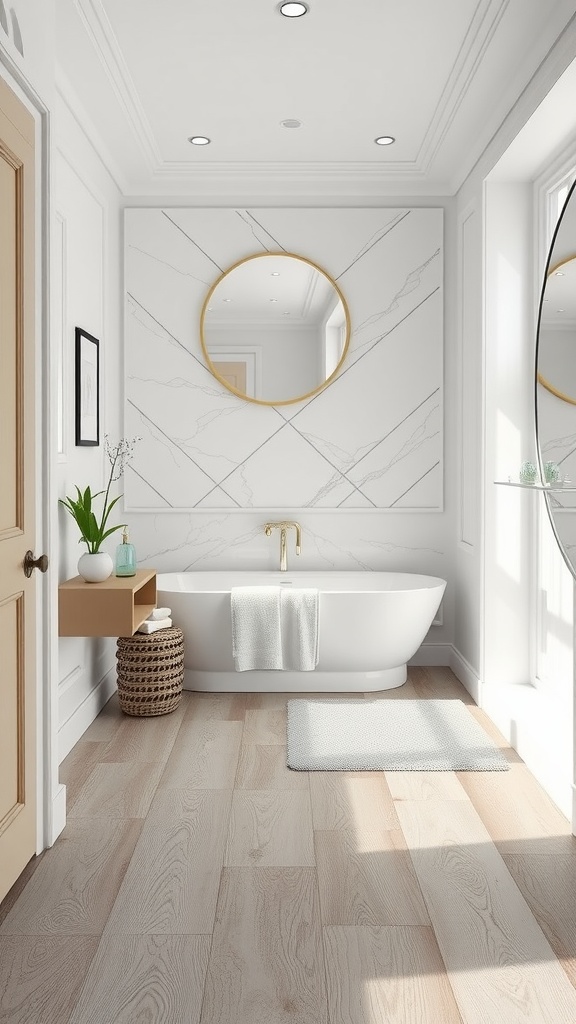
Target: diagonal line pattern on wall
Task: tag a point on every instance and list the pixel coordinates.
(388, 228)
(340, 472)
(186, 235)
(412, 444)
(246, 460)
(172, 441)
(262, 228)
(148, 484)
(166, 331)
(395, 427)
(157, 259)
(412, 281)
(408, 489)
(376, 341)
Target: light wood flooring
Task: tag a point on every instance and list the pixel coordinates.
(199, 881)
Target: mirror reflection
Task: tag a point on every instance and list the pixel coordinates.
(556, 379)
(557, 353)
(275, 328)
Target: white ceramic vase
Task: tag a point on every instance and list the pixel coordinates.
(95, 568)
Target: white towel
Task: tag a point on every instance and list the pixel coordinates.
(274, 628)
(256, 640)
(299, 625)
(151, 627)
(159, 613)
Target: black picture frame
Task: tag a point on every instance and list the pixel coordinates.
(87, 378)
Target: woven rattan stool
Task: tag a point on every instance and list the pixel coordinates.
(150, 671)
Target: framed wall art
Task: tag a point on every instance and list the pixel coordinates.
(87, 389)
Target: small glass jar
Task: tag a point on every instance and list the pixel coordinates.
(528, 473)
(551, 472)
(125, 557)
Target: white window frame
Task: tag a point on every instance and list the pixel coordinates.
(550, 191)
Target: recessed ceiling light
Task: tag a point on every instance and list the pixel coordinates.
(286, 313)
(559, 273)
(560, 310)
(291, 10)
(199, 140)
(291, 122)
(273, 300)
(226, 300)
(275, 273)
(384, 140)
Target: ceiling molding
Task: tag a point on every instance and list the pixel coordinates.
(260, 189)
(479, 35)
(260, 325)
(69, 97)
(556, 59)
(308, 169)
(314, 179)
(109, 52)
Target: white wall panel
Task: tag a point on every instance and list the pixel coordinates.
(85, 293)
(470, 274)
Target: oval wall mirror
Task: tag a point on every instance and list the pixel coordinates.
(275, 328)
(556, 378)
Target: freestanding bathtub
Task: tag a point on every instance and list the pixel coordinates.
(370, 624)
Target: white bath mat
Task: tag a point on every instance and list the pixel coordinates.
(393, 735)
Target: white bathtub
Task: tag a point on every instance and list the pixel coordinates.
(371, 623)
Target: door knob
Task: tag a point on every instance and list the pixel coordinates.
(31, 563)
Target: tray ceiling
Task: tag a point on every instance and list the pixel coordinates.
(440, 78)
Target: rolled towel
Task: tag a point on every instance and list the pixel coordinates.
(151, 627)
(159, 613)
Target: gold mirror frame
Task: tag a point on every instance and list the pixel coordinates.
(541, 379)
(230, 387)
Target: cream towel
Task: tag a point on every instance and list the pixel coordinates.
(256, 639)
(159, 613)
(299, 625)
(152, 627)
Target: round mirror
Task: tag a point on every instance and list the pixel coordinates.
(275, 328)
(556, 380)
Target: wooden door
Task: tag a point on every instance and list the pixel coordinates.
(17, 485)
(233, 373)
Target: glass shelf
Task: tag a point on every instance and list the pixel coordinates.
(559, 489)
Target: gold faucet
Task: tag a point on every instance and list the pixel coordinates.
(283, 526)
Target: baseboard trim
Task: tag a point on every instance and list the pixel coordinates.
(446, 654)
(463, 671)
(58, 818)
(83, 716)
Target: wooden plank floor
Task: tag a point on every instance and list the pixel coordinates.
(199, 881)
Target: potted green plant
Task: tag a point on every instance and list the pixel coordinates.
(96, 565)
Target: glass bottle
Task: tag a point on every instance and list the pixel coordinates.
(125, 557)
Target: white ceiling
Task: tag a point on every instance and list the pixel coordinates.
(271, 289)
(144, 75)
(559, 307)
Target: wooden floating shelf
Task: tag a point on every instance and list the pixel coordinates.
(115, 607)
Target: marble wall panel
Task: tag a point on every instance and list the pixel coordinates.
(371, 440)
